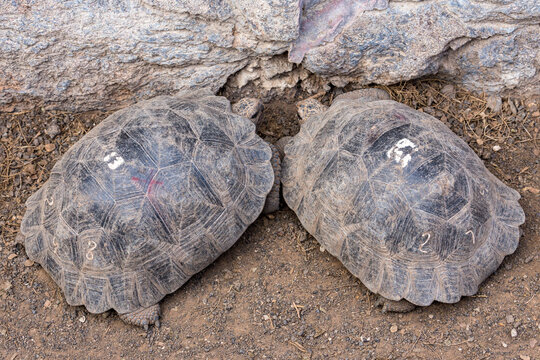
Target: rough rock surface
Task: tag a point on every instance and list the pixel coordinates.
(80, 55)
(488, 45)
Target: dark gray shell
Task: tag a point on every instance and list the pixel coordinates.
(148, 198)
(402, 201)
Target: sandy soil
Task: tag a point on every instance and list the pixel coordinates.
(275, 295)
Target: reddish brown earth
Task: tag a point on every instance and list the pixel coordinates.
(275, 295)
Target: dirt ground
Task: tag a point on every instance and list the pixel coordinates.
(275, 295)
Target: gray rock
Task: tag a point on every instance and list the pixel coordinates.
(501, 64)
(52, 130)
(489, 46)
(80, 55)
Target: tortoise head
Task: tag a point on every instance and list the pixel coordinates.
(308, 108)
(250, 108)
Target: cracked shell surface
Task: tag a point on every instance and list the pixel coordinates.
(146, 199)
(400, 200)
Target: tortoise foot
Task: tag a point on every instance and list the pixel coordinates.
(143, 317)
(388, 305)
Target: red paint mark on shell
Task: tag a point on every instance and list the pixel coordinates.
(150, 186)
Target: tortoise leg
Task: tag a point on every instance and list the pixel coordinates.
(388, 305)
(280, 145)
(272, 200)
(143, 316)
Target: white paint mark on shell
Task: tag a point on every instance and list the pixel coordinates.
(405, 143)
(55, 245)
(91, 246)
(470, 232)
(405, 160)
(425, 242)
(108, 157)
(117, 160)
(396, 152)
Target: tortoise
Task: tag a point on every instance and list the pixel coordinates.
(149, 197)
(398, 198)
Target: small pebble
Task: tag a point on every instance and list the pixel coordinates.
(532, 106)
(3, 331)
(524, 357)
(430, 316)
(532, 343)
(513, 108)
(449, 90)
(52, 130)
(49, 147)
(509, 319)
(494, 103)
(322, 249)
(6, 286)
(513, 333)
(496, 148)
(28, 263)
(11, 256)
(393, 328)
(29, 169)
(47, 304)
(82, 319)
(504, 344)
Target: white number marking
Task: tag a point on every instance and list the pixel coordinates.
(471, 233)
(397, 152)
(117, 160)
(91, 246)
(55, 245)
(425, 242)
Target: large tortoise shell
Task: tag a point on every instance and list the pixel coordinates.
(146, 199)
(401, 200)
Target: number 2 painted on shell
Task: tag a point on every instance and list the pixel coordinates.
(470, 232)
(425, 242)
